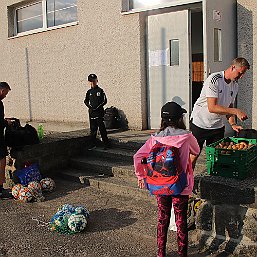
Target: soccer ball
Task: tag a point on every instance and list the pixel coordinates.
(34, 185)
(36, 190)
(59, 222)
(77, 222)
(82, 210)
(47, 184)
(60, 218)
(16, 190)
(25, 195)
(67, 208)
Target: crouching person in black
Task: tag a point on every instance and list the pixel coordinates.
(95, 100)
(4, 90)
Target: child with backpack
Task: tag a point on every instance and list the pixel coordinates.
(163, 166)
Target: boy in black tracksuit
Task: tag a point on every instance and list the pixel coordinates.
(95, 100)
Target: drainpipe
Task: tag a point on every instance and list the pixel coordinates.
(28, 83)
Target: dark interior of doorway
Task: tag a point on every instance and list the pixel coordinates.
(197, 55)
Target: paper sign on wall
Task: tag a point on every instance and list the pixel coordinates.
(216, 15)
(158, 57)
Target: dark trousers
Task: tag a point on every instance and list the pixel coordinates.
(3, 148)
(208, 135)
(96, 123)
(180, 205)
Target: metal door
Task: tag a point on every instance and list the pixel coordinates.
(168, 62)
(219, 38)
(219, 34)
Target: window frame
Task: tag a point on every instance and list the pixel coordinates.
(44, 15)
(125, 8)
(22, 7)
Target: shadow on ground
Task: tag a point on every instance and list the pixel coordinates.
(114, 219)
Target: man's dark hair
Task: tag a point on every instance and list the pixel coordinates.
(241, 62)
(4, 85)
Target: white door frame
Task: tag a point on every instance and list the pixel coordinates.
(228, 17)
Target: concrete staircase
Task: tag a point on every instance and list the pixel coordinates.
(111, 170)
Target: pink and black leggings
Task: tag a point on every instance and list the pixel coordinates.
(180, 205)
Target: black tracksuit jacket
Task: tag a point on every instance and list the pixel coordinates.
(95, 100)
(3, 122)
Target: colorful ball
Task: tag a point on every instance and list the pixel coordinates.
(36, 189)
(82, 210)
(25, 195)
(34, 185)
(67, 208)
(16, 190)
(47, 184)
(59, 222)
(60, 218)
(77, 222)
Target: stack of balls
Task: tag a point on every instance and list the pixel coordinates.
(69, 219)
(33, 191)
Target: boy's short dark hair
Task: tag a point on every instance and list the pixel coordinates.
(4, 85)
(91, 77)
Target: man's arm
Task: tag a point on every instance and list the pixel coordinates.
(213, 107)
(232, 121)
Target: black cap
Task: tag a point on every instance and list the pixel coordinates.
(172, 110)
(91, 77)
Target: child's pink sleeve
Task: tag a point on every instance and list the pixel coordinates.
(139, 155)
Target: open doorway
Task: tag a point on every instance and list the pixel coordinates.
(197, 55)
(183, 48)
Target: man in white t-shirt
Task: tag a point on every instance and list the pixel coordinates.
(216, 101)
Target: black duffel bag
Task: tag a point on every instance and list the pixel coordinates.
(17, 136)
(112, 118)
(247, 133)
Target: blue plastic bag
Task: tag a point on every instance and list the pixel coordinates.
(28, 174)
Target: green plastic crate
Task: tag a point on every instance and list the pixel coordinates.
(231, 163)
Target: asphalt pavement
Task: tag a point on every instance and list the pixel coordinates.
(118, 226)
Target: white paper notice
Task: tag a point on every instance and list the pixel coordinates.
(216, 15)
(158, 57)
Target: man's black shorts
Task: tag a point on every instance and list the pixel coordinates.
(208, 135)
(3, 149)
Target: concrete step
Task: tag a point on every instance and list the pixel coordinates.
(113, 153)
(78, 175)
(118, 185)
(122, 186)
(102, 166)
(125, 143)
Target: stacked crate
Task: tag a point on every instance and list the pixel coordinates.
(231, 163)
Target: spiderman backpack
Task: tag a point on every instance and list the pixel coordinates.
(164, 172)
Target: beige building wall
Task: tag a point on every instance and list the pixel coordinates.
(47, 71)
(247, 47)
